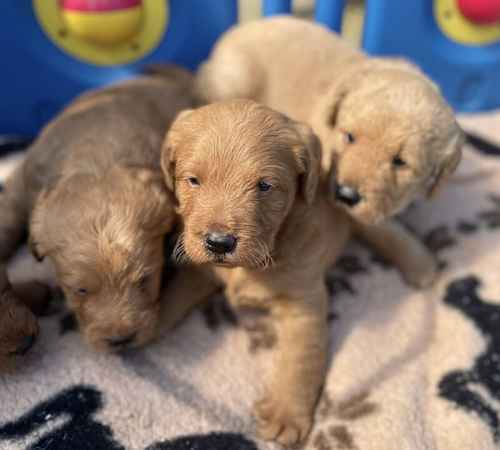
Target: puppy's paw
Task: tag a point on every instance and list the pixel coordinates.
(18, 328)
(423, 274)
(279, 421)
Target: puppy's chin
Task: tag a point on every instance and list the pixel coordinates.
(247, 255)
(101, 341)
(372, 215)
(102, 345)
(365, 213)
(227, 260)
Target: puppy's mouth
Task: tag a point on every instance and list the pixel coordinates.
(120, 343)
(220, 260)
(108, 343)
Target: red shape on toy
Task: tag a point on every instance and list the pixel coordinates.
(480, 11)
(98, 5)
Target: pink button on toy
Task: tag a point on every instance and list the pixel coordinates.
(480, 11)
(98, 5)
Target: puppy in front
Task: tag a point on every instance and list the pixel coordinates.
(388, 136)
(91, 195)
(247, 183)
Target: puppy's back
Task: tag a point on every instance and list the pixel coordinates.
(122, 124)
(280, 61)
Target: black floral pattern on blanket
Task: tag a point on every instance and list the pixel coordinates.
(458, 386)
(82, 431)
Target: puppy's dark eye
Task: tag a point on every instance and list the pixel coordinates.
(193, 181)
(264, 186)
(81, 292)
(397, 161)
(350, 138)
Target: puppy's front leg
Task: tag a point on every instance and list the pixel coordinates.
(417, 264)
(285, 413)
(190, 287)
(18, 325)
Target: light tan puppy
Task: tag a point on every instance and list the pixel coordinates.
(246, 180)
(387, 134)
(91, 194)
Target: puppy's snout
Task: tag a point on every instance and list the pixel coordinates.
(122, 341)
(220, 243)
(347, 195)
(25, 345)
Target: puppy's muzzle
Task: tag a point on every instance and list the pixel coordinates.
(220, 243)
(347, 195)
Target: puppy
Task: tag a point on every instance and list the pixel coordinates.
(92, 196)
(246, 181)
(387, 134)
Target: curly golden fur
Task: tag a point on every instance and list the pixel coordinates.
(241, 169)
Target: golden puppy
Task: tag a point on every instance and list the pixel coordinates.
(387, 134)
(246, 180)
(92, 193)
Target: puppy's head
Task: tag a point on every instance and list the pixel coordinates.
(388, 137)
(237, 168)
(18, 325)
(105, 238)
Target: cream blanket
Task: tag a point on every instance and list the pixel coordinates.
(409, 370)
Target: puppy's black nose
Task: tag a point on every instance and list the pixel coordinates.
(26, 344)
(122, 341)
(347, 195)
(220, 242)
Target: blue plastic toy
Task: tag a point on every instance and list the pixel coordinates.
(443, 43)
(50, 57)
(461, 54)
(54, 49)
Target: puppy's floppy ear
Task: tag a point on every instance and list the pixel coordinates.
(335, 99)
(34, 249)
(449, 160)
(39, 232)
(353, 78)
(159, 211)
(168, 150)
(308, 156)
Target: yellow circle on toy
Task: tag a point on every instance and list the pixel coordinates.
(457, 27)
(107, 37)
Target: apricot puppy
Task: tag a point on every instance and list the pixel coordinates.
(92, 195)
(246, 180)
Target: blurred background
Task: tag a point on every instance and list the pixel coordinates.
(54, 49)
(352, 26)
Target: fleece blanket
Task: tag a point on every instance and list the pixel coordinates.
(409, 370)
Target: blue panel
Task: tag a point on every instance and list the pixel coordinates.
(330, 13)
(272, 7)
(468, 75)
(37, 78)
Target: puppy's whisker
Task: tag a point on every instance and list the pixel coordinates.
(259, 256)
(180, 255)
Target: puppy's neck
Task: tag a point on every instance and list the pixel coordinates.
(294, 231)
